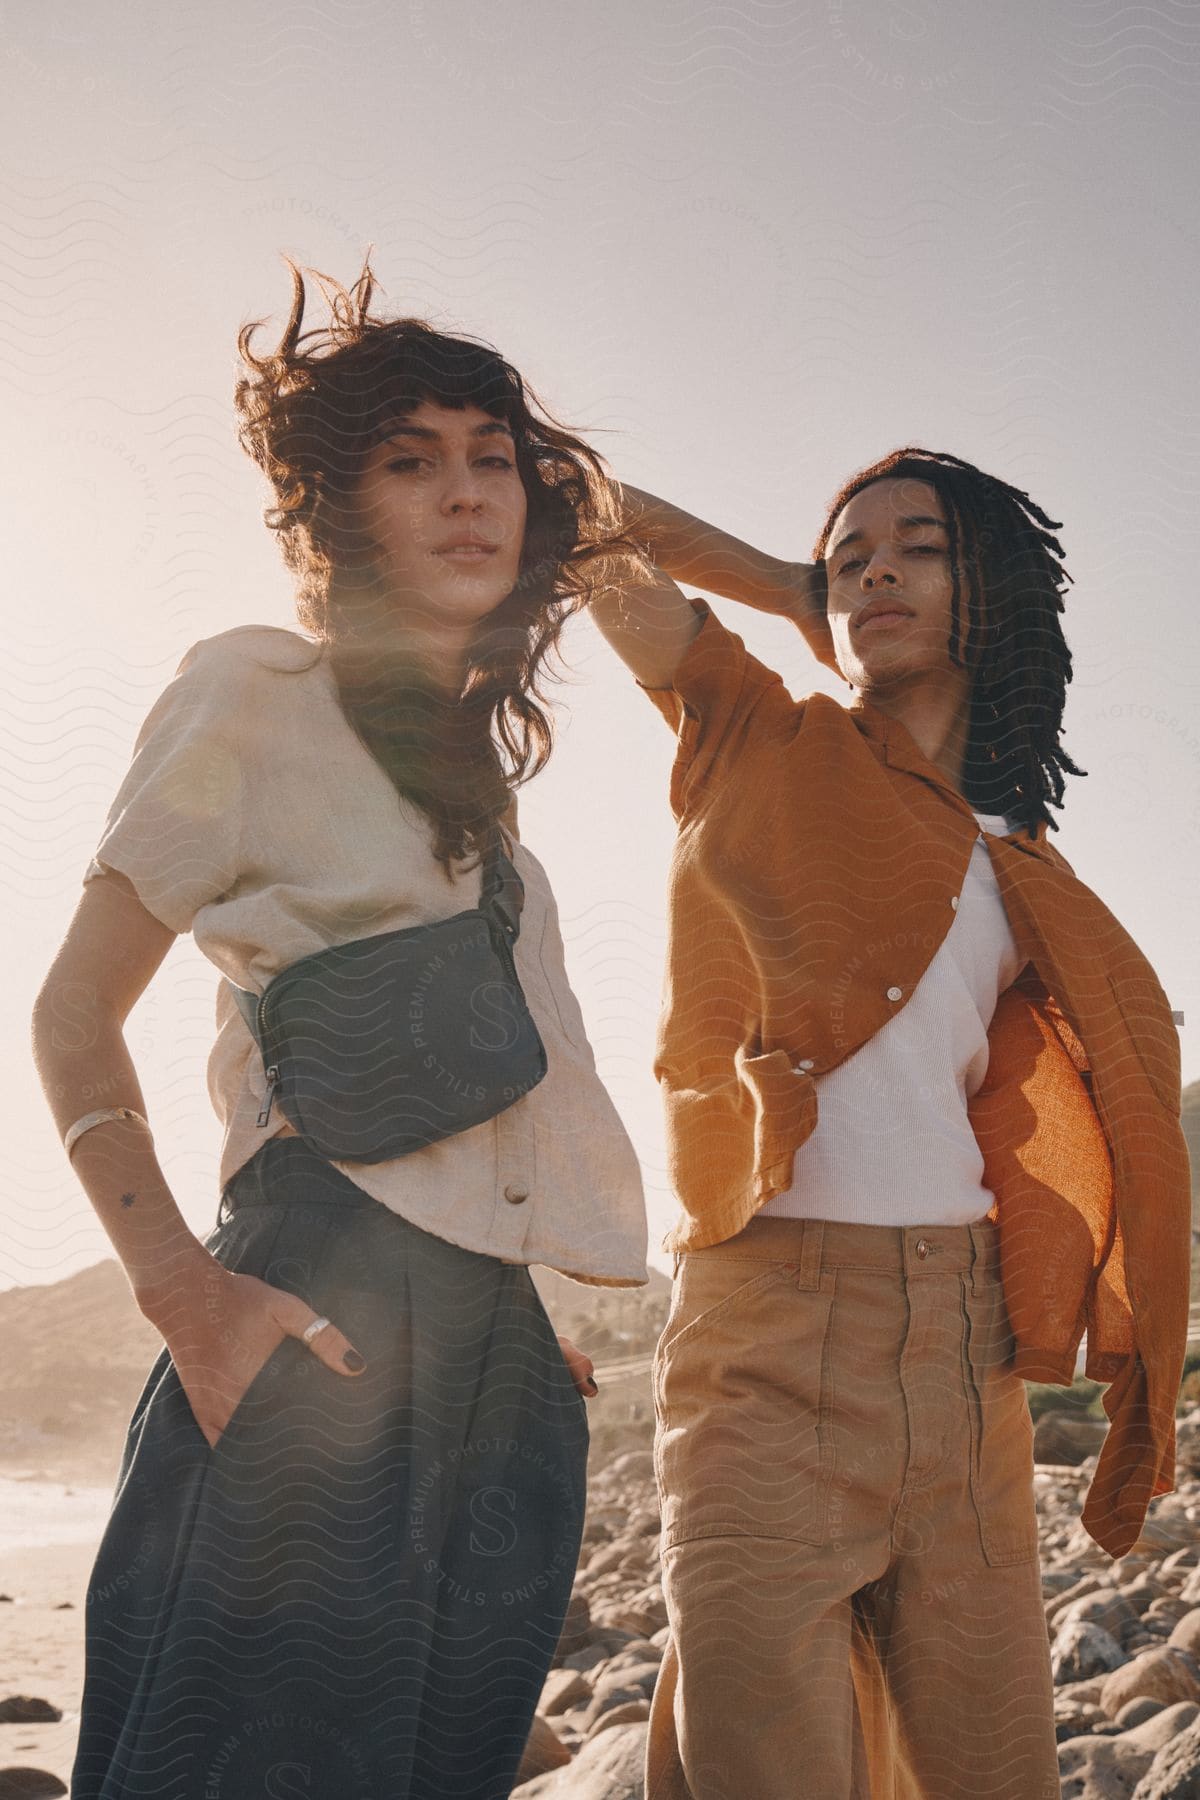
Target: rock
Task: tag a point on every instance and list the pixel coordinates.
(1076, 1721)
(1142, 1592)
(1187, 1447)
(609, 1556)
(1167, 1610)
(1136, 1712)
(1060, 1438)
(29, 1784)
(1101, 1768)
(1164, 1529)
(1106, 1607)
(1175, 1772)
(23, 1709)
(641, 1675)
(609, 1767)
(606, 1698)
(1125, 1571)
(587, 1659)
(641, 1614)
(1153, 1733)
(598, 1650)
(1081, 1550)
(1080, 1693)
(576, 1625)
(635, 1465)
(640, 1650)
(603, 1522)
(544, 1750)
(1167, 1674)
(1082, 1649)
(1090, 1584)
(1186, 1634)
(562, 1689)
(628, 1713)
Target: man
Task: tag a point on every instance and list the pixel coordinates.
(922, 1093)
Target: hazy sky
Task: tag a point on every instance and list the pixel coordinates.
(746, 248)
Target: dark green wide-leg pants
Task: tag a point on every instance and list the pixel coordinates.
(356, 1594)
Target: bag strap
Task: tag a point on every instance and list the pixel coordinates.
(501, 901)
(502, 895)
(247, 1004)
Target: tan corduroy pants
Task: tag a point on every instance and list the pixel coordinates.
(845, 1466)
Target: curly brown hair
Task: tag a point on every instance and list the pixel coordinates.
(1004, 555)
(309, 412)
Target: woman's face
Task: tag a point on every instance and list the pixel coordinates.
(440, 508)
(889, 547)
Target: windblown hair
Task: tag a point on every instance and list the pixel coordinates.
(1006, 560)
(309, 412)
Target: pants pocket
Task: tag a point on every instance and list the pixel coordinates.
(709, 1285)
(742, 1393)
(556, 1361)
(278, 1245)
(1001, 1430)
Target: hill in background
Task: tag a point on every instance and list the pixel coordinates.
(75, 1354)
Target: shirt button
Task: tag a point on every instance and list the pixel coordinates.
(922, 1248)
(954, 901)
(806, 1062)
(514, 1195)
(895, 993)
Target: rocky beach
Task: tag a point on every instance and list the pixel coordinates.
(1125, 1635)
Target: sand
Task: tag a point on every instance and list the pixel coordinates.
(41, 1648)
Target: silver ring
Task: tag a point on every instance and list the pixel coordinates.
(310, 1331)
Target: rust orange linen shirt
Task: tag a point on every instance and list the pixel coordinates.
(818, 858)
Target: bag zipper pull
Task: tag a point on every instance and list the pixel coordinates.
(272, 1084)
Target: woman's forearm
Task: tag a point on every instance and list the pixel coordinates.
(689, 549)
(82, 1071)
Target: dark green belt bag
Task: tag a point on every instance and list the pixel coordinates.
(377, 1048)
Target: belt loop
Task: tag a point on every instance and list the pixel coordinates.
(978, 1250)
(810, 1253)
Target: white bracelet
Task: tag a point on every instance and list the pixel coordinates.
(76, 1131)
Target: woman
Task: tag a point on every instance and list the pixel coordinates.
(351, 1497)
(922, 1096)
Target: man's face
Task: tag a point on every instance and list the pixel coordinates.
(441, 507)
(888, 549)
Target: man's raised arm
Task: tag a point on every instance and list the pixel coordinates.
(650, 623)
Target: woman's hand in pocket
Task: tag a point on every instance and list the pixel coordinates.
(222, 1331)
(581, 1367)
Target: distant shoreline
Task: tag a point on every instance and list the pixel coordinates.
(39, 1511)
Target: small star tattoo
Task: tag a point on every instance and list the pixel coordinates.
(128, 1199)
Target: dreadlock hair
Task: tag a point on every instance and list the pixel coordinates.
(309, 412)
(1004, 554)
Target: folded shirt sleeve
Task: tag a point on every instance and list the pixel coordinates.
(175, 825)
(716, 700)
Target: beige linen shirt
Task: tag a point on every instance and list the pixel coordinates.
(254, 817)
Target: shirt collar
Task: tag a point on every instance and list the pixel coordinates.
(900, 750)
